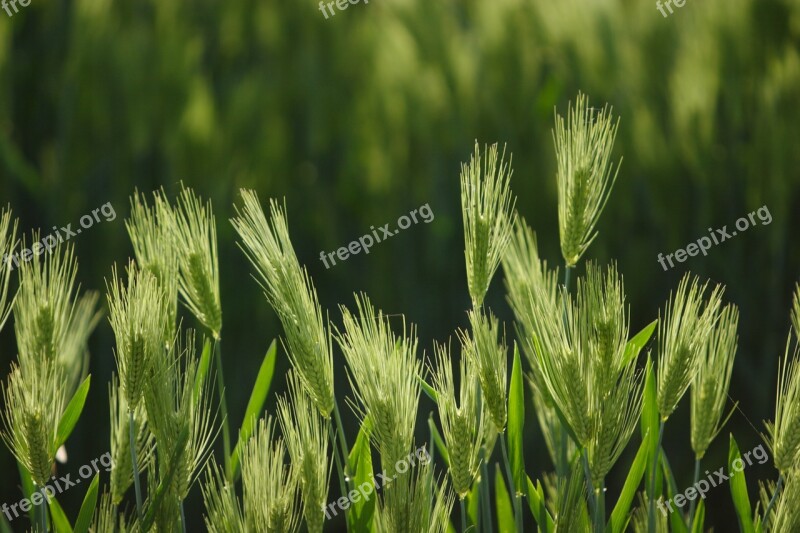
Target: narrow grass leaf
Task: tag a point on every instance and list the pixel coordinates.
(635, 345)
(538, 509)
(72, 413)
(87, 507)
(516, 421)
(676, 519)
(256, 404)
(439, 442)
(474, 502)
(649, 420)
(505, 513)
(620, 514)
(738, 483)
(5, 527)
(360, 458)
(27, 488)
(428, 390)
(60, 521)
(202, 370)
(699, 518)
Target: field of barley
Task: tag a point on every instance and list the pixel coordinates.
(400, 266)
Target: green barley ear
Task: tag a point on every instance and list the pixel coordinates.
(44, 307)
(487, 209)
(33, 404)
(682, 333)
(490, 359)
(176, 400)
(8, 241)
(224, 514)
(269, 485)
(137, 312)
(639, 519)
(291, 293)
(462, 418)
(584, 175)
(108, 518)
(196, 235)
(784, 433)
(415, 502)
(121, 469)
(796, 312)
(787, 512)
(151, 232)
(307, 442)
(712, 381)
(572, 514)
(383, 370)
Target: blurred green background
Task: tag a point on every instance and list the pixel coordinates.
(362, 117)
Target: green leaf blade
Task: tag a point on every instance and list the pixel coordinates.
(516, 421)
(72, 413)
(87, 507)
(738, 483)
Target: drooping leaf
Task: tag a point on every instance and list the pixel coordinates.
(72, 413)
(60, 521)
(620, 514)
(505, 513)
(428, 390)
(87, 507)
(516, 421)
(635, 345)
(255, 405)
(360, 458)
(738, 482)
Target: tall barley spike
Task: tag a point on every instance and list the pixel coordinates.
(196, 239)
(291, 293)
(487, 209)
(223, 510)
(584, 174)
(414, 503)
(307, 442)
(682, 332)
(489, 356)
(137, 312)
(710, 386)
(383, 371)
(461, 418)
(784, 432)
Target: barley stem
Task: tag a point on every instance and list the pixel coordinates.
(694, 484)
(463, 515)
(223, 407)
(651, 514)
(339, 469)
(136, 482)
(600, 507)
(42, 511)
(774, 498)
(183, 519)
(487, 508)
(342, 437)
(517, 505)
(562, 466)
(589, 489)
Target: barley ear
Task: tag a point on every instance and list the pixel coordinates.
(290, 291)
(196, 239)
(584, 174)
(784, 433)
(487, 209)
(488, 355)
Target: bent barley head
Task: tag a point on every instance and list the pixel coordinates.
(584, 174)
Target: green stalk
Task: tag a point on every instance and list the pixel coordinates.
(600, 507)
(223, 407)
(563, 467)
(774, 498)
(136, 483)
(42, 513)
(183, 519)
(589, 489)
(487, 507)
(339, 469)
(463, 515)
(342, 438)
(694, 484)
(651, 504)
(517, 504)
